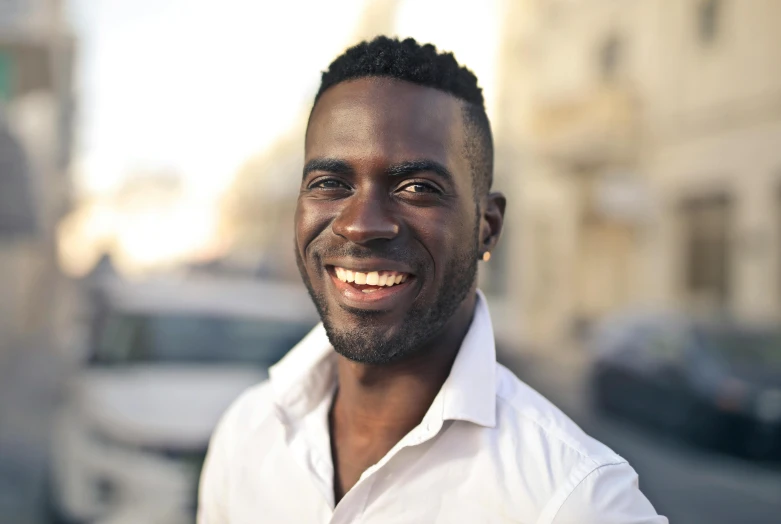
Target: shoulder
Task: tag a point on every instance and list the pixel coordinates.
(523, 411)
(253, 404)
(544, 443)
(248, 412)
(580, 479)
(608, 494)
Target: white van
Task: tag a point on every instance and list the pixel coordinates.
(166, 359)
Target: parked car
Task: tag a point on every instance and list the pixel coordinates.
(715, 383)
(165, 360)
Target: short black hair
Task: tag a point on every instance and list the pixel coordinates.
(409, 61)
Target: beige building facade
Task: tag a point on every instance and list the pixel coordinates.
(36, 108)
(640, 145)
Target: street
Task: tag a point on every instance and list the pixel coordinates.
(688, 485)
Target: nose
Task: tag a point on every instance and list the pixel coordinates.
(365, 218)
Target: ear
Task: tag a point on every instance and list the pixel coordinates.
(491, 220)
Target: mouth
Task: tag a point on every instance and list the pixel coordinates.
(372, 289)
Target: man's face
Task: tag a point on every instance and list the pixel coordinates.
(386, 224)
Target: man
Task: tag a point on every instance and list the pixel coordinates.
(394, 409)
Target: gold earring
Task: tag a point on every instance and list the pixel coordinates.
(486, 256)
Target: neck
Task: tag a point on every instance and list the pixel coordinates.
(387, 401)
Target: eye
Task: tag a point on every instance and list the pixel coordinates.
(328, 183)
(419, 187)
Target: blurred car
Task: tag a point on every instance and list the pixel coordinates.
(714, 383)
(165, 361)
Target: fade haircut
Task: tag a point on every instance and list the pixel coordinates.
(421, 64)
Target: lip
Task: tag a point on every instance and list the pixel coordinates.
(367, 265)
(383, 299)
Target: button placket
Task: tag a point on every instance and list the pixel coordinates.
(353, 505)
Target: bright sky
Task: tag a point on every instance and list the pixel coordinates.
(199, 86)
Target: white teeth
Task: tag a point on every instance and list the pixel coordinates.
(373, 278)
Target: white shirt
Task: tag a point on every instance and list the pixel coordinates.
(490, 449)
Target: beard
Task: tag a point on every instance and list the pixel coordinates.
(371, 342)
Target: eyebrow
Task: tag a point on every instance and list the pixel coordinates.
(340, 167)
(419, 166)
(329, 165)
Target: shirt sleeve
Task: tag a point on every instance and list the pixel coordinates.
(213, 486)
(609, 494)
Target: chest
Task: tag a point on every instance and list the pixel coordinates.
(443, 480)
(352, 456)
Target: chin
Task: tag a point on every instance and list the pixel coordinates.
(368, 344)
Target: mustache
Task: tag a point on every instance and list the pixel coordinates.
(400, 254)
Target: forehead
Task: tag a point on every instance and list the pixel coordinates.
(388, 118)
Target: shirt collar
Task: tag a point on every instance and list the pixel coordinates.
(305, 375)
(469, 393)
(301, 380)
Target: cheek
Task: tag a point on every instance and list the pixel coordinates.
(445, 236)
(310, 221)
(464, 242)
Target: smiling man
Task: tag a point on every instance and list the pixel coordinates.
(395, 409)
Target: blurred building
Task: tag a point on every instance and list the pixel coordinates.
(640, 145)
(257, 211)
(36, 110)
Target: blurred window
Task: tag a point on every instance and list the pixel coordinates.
(709, 12)
(778, 230)
(706, 227)
(630, 350)
(543, 259)
(651, 344)
(610, 57)
(669, 344)
(5, 76)
(18, 214)
(182, 338)
(743, 347)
